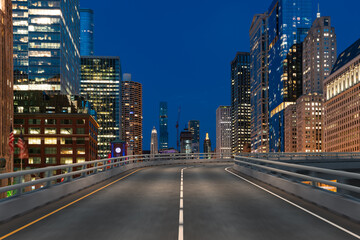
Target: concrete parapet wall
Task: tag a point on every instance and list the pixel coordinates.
(333, 202)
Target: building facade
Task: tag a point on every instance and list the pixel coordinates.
(259, 84)
(6, 86)
(288, 23)
(207, 145)
(290, 128)
(154, 142)
(131, 116)
(46, 45)
(342, 103)
(194, 128)
(86, 32)
(240, 103)
(319, 55)
(223, 130)
(293, 73)
(101, 86)
(163, 122)
(309, 110)
(185, 141)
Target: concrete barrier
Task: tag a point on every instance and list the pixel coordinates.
(333, 202)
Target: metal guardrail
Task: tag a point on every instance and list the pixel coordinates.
(289, 169)
(34, 179)
(305, 156)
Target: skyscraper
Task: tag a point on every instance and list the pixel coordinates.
(185, 141)
(163, 119)
(86, 32)
(194, 128)
(223, 130)
(100, 85)
(288, 23)
(131, 116)
(207, 145)
(240, 103)
(154, 142)
(259, 74)
(46, 45)
(6, 86)
(319, 55)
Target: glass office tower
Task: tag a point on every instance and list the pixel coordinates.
(101, 86)
(288, 24)
(164, 135)
(46, 45)
(194, 128)
(86, 32)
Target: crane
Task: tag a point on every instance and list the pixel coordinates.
(177, 130)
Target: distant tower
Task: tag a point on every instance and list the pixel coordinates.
(154, 142)
(185, 141)
(86, 32)
(163, 119)
(194, 128)
(207, 145)
(223, 130)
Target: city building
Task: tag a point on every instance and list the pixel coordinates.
(131, 116)
(86, 32)
(58, 129)
(207, 145)
(319, 55)
(292, 74)
(101, 86)
(6, 86)
(288, 24)
(223, 130)
(154, 142)
(259, 74)
(46, 45)
(309, 111)
(185, 141)
(342, 99)
(240, 103)
(163, 119)
(194, 128)
(290, 128)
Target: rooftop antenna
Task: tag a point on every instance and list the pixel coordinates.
(318, 13)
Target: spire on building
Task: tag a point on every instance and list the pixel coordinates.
(318, 13)
(207, 136)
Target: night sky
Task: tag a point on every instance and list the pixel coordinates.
(181, 50)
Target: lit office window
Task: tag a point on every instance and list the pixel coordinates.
(66, 160)
(50, 140)
(34, 140)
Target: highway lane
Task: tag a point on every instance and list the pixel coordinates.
(145, 205)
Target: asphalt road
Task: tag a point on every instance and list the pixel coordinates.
(145, 205)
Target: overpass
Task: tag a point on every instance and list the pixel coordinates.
(186, 196)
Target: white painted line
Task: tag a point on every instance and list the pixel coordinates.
(181, 208)
(295, 205)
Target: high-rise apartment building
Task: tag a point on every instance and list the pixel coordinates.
(240, 103)
(46, 45)
(86, 32)
(163, 119)
(101, 86)
(185, 141)
(6, 86)
(223, 130)
(207, 145)
(131, 116)
(319, 55)
(259, 84)
(288, 23)
(342, 99)
(194, 128)
(154, 142)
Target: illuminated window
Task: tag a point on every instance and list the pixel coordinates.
(66, 131)
(34, 130)
(50, 140)
(66, 160)
(34, 160)
(50, 130)
(66, 151)
(80, 160)
(81, 151)
(34, 140)
(66, 141)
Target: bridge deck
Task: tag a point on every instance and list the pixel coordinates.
(145, 205)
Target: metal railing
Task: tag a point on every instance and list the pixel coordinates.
(306, 156)
(35, 179)
(299, 172)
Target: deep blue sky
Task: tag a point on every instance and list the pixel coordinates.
(181, 50)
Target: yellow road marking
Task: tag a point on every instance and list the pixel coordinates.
(67, 205)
